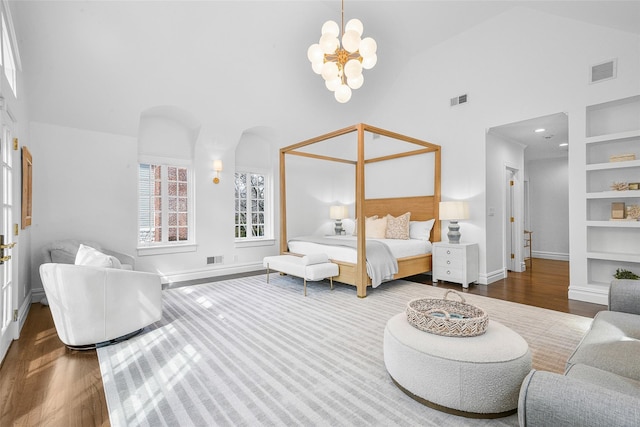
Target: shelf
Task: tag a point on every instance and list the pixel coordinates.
(614, 137)
(627, 194)
(613, 256)
(613, 165)
(617, 224)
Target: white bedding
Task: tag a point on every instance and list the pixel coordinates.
(399, 248)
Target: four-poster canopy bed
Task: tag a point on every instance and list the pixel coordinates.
(422, 208)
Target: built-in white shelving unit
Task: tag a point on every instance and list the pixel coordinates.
(613, 129)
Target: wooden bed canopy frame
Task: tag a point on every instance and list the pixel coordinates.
(422, 208)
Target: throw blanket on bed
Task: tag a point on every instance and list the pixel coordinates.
(381, 264)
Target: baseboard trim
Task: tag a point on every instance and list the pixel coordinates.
(557, 256)
(23, 311)
(589, 294)
(185, 276)
(37, 295)
(493, 276)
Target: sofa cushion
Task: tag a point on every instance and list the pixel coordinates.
(61, 256)
(612, 344)
(89, 256)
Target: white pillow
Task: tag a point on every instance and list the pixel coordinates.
(421, 229)
(317, 258)
(92, 257)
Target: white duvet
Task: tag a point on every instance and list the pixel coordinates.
(399, 248)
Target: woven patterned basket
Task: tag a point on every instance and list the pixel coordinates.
(447, 317)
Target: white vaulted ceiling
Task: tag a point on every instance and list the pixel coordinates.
(98, 65)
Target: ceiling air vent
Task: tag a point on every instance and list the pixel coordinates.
(458, 100)
(604, 71)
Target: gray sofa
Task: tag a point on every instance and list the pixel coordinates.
(601, 384)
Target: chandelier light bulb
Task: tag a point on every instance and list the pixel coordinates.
(355, 82)
(343, 94)
(369, 62)
(353, 68)
(333, 84)
(315, 53)
(330, 70)
(317, 66)
(331, 27)
(368, 47)
(356, 25)
(351, 41)
(329, 43)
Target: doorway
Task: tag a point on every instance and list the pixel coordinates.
(535, 153)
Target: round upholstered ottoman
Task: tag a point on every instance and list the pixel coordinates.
(473, 377)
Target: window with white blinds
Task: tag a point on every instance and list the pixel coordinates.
(165, 204)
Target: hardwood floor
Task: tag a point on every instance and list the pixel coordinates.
(44, 383)
(545, 285)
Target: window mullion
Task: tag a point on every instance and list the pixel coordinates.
(164, 170)
(249, 206)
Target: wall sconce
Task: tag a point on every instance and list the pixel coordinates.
(217, 166)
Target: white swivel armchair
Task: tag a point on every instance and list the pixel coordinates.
(94, 306)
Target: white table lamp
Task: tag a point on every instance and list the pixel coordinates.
(338, 213)
(453, 211)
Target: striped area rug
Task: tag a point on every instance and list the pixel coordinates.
(246, 353)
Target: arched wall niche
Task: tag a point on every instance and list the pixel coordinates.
(167, 131)
(256, 148)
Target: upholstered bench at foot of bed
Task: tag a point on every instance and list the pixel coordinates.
(312, 267)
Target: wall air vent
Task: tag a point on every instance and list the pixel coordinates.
(604, 71)
(215, 259)
(458, 100)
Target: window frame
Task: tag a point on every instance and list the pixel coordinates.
(268, 238)
(8, 59)
(167, 246)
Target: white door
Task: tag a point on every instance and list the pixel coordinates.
(8, 299)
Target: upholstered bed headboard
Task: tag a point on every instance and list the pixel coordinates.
(422, 208)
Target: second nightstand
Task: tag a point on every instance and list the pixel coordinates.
(455, 262)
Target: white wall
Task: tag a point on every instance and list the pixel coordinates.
(502, 154)
(549, 207)
(84, 187)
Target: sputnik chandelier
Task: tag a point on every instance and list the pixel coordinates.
(341, 66)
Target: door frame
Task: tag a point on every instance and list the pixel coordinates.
(12, 331)
(512, 241)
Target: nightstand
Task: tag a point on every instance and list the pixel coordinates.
(455, 262)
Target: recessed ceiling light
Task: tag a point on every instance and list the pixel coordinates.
(563, 144)
(539, 130)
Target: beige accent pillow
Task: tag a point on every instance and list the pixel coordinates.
(376, 228)
(398, 227)
(367, 219)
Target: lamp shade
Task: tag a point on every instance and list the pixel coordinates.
(217, 165)
(338, 212)
(454, 210)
